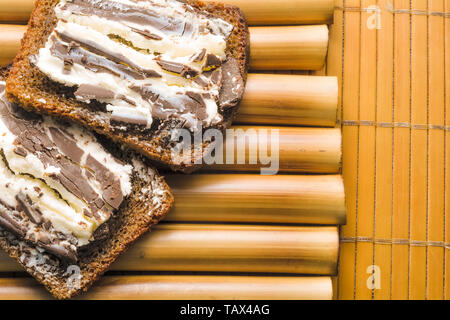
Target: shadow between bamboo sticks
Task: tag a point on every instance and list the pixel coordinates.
(181, 287)
(274, 12)
(228, 248)
(272, 48)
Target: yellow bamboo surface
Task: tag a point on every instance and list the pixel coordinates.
(313, 150)
(392, 61)
(257, 12)
(302, 199)
(228, 248)
(281, 48)
(181, 287)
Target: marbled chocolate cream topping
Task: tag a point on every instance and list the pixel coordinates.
(57, 183)
(146, 60)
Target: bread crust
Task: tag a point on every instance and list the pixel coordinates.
(28, 87)
(134, 218)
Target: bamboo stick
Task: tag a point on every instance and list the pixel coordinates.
(368, 60)
(313, 150)
(309, 199)
(275, 12)
(288, 48)
(15, 11)
(288, 12)
(182, 287)
(228, 248)
(436, 156)
(446, 273)
(282, 48)
(401, 153)
(419, 207)
(10, 36)
(383, 160)
(289, 100)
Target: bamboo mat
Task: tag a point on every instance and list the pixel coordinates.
(394, 85)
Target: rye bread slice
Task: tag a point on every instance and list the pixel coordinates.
(136, 215)
(28, 86)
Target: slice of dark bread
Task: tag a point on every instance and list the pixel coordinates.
(28, 86)
(149, 200)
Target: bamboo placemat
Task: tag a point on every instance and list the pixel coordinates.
(393, 62)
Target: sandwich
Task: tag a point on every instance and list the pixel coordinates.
(135, 71)
(70, 201)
